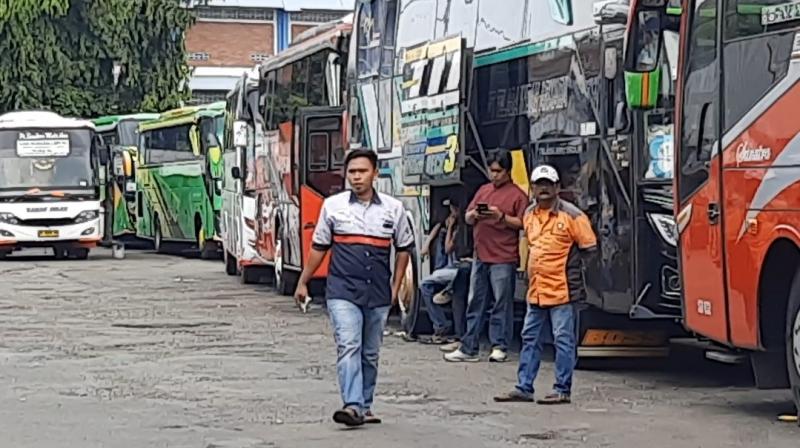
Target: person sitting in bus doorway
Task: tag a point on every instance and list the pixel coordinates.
(496, 216)
(446, 261)
(359, 227)
(558, 234)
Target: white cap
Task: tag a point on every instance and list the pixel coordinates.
(544, 172)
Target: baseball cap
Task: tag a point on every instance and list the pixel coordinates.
(544, 172)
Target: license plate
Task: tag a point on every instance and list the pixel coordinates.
(48, 234)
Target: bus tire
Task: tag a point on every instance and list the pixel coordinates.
(4, 254)
(158, 237)
(413, 314)
(793, 341)
(250, 275)
(283, 279)
(78, 254)
(231, 267)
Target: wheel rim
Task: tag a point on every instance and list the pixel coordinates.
(796, 342)
(201, 238)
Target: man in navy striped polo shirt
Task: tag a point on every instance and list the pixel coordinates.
(359, 227)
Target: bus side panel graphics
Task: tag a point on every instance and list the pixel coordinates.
(124, 213)
(430, 109)
(181, 197)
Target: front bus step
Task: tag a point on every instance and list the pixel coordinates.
(604, 343)
(623, 352)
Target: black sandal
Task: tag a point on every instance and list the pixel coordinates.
(369, 418)
(348, 417)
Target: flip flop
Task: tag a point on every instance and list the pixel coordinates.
(348, 417)
(369, 418)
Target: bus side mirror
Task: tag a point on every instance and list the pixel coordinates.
(644, 47)
(236, 172)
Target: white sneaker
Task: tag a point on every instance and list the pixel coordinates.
(498, 356)
(451, 347)
(442, 298)
(459, 356)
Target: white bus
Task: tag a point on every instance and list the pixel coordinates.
(50, 184)
(244, 135)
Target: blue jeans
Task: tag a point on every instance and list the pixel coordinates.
(359, 333)
(454, 279)
(502, 280)
(437, 281)
(562, 319)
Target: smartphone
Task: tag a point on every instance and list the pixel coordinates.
(483, 208)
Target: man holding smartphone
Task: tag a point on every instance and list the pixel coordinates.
(496, 214)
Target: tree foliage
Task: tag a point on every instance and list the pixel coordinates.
(60, 55)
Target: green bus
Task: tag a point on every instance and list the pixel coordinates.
(179, 179)
(120, 133)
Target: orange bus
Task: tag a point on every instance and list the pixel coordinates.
(737, 173)
(300, 162)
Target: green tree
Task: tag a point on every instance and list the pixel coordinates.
(61, 54)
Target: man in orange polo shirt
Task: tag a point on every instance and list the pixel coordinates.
(558, 234)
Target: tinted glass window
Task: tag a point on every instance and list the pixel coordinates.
(745, 18)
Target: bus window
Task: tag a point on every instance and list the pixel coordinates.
(318, 148)
(337, 150)
(168, 145)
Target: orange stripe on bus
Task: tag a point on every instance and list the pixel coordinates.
(360, 239)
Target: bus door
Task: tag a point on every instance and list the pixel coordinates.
(211, 150)
(321, 167)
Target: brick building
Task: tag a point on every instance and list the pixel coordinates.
(231, 36)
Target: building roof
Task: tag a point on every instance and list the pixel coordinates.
(217, 78)
(288, 5)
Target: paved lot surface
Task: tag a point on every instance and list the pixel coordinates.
(161, 351)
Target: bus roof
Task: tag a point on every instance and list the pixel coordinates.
(325, 36)
(184, 115)
(109, 122)
(41, 120)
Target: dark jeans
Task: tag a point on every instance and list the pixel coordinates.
(454, 279)
(487, 280)
(562, 319)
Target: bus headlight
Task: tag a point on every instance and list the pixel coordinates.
(665, 227)
(86, 215)
(8, 218)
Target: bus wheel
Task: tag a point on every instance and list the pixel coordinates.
(158, 238)
(413, 316)
(793, 341)
(231, 267)
(4, 254)
(250, 275)
(282, 283)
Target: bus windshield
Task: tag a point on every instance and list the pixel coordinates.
(45, 158)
